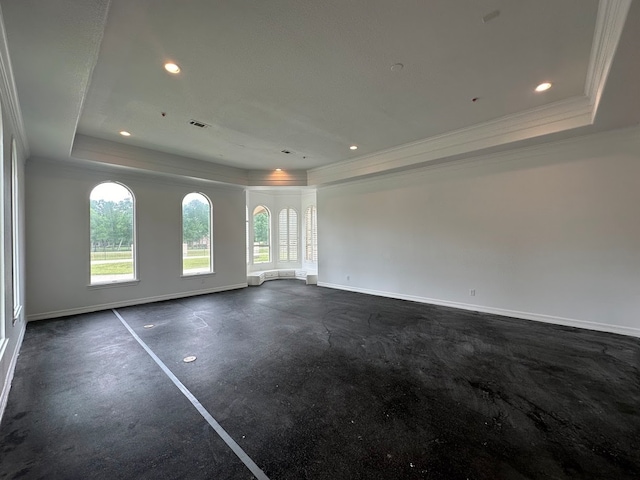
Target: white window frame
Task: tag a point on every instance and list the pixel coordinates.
(269, 239)
(210, 240)
(134, 247)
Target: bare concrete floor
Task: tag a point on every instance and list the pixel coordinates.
(314, 383)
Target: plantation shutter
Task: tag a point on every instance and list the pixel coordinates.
(283, 235)
(288, 235)
(311, 235)
(293, 235)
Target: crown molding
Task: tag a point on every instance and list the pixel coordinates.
(110, 153)
(138, 158)
(284, 178)
(625, 140)
(9, 92)
(612, 15)
(560, 116)
(563, 115)
(79, 169)
(553, 118)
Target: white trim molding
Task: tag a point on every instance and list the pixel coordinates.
(9, 92)
(283, 178)
(138, 158)
(556, 117)
(567, 322)
(612, 15)
(564, 115)
(4, 394)
(624, 139)
(129, 303)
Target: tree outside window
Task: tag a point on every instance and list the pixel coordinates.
(196, 234)
(261, 235)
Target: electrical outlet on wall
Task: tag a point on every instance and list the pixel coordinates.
(472, 292)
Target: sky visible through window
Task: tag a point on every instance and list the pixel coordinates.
(193, 196)
(110, 192)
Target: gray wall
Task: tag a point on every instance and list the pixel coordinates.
(57, 232)
(550, 233)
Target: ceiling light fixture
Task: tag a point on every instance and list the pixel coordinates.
(124, 133)
(278, 169)
(543, 87)
(172, 68)
(353, 147)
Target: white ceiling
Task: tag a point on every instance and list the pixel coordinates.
(312, 78)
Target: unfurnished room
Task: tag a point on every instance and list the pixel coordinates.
(349, 239)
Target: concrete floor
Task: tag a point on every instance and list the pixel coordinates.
(314, 383)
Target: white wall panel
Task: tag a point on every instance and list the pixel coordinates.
(549, 233)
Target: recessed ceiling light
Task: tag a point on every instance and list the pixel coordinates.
(278, 169)
(543, 87)
(124, 133)
(172, 68)
(353, 147)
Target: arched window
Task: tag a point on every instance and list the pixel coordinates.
(288, 235)
(113, 242)
(196, 234)
(261, 235)
(311, 235)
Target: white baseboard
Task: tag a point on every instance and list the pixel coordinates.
(128, 303)
(4, 395)
(567, 322)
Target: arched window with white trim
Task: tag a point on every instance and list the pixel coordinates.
(113, 236)
(197, 248)
(288, 235)
(261, 235)
(311, 235)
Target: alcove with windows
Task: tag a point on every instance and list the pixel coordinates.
(281, 228)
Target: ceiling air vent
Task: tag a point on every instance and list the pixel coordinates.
(198, 124)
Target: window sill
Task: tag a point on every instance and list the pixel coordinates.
(197, 274)
(115, 283)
